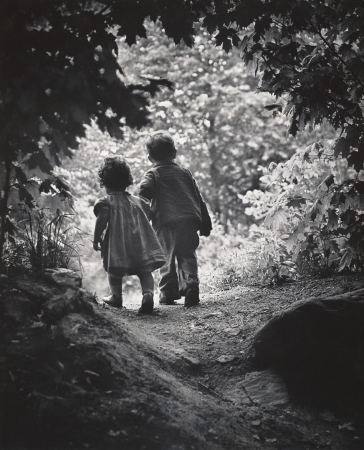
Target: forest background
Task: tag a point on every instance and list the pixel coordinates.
(284, 202)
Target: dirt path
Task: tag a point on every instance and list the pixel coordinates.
(76, 377)
(215, 340)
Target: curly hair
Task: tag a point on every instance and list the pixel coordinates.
(115, 173)
(160, 146)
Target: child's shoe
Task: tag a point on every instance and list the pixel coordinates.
(147, 304)
(192, 297)
(113, 300)
(165, 299)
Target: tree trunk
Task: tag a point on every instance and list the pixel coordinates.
(5, 176)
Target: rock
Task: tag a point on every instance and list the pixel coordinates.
(14, 305)
(224, 359)
(317, 346)
(58, 306)
(194, 363)
(64, 277)
(213, 314)
(266, 388)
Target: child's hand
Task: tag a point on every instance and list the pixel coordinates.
(97, 245)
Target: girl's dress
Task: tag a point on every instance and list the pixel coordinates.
(129, 244)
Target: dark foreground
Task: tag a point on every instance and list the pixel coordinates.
(76, 374)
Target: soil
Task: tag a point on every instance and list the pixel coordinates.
(104, 378)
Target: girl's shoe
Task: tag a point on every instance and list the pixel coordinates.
(113, 300)
(147, 304)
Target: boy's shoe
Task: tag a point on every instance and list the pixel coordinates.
(192, 297)
(113, 300)
(165, 299)
(147, 304)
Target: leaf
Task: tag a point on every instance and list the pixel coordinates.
(356, 160)
(273, 106)
(347, 52)
(329, 180)
(353, 136)
(25, 196)
(296, 202)
(38, 162)
(79, 114)
(342, 147)
(346, 260)
(114, 129)
(20, 174)
(314, 210)
(61, 185)
(10, 227)
(348, 217)
(54, 203)
(338, 199)
(225, 37)
(359, 186)
(46, 186)
(332, 222)
(293, 127)
(301, 14)
(277, 219)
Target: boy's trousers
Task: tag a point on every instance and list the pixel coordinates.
(179, 241)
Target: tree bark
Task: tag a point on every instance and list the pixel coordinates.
(4, 208)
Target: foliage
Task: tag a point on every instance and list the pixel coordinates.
(59, 72)
(310, 57)
(62, 70)
(227, 260)
(218, 119)
(214, 114)
(43, 234)
(311, 52)
(316, 204)
(44, 242)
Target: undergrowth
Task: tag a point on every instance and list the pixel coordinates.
(43, 241)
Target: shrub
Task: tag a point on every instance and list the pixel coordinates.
(227, 260)
(315, 204)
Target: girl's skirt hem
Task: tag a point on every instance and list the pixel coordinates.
(146, 267)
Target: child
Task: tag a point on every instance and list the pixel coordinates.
(124, 235)
(178, 212)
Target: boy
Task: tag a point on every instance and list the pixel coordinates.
(178, 212)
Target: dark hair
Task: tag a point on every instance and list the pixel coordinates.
(115, 173)
(160, 146)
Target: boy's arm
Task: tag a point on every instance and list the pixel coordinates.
(206, 224)
(147, 186)
(101, 223)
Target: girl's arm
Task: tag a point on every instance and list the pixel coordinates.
(101, 223)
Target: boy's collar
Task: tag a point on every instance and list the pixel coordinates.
(165, 163)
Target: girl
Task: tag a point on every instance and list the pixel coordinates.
(124, 235)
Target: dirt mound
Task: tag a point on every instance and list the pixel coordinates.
(72, 377)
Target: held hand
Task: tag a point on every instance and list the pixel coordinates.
(97, 246)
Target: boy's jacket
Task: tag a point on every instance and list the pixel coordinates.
(174, 196)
